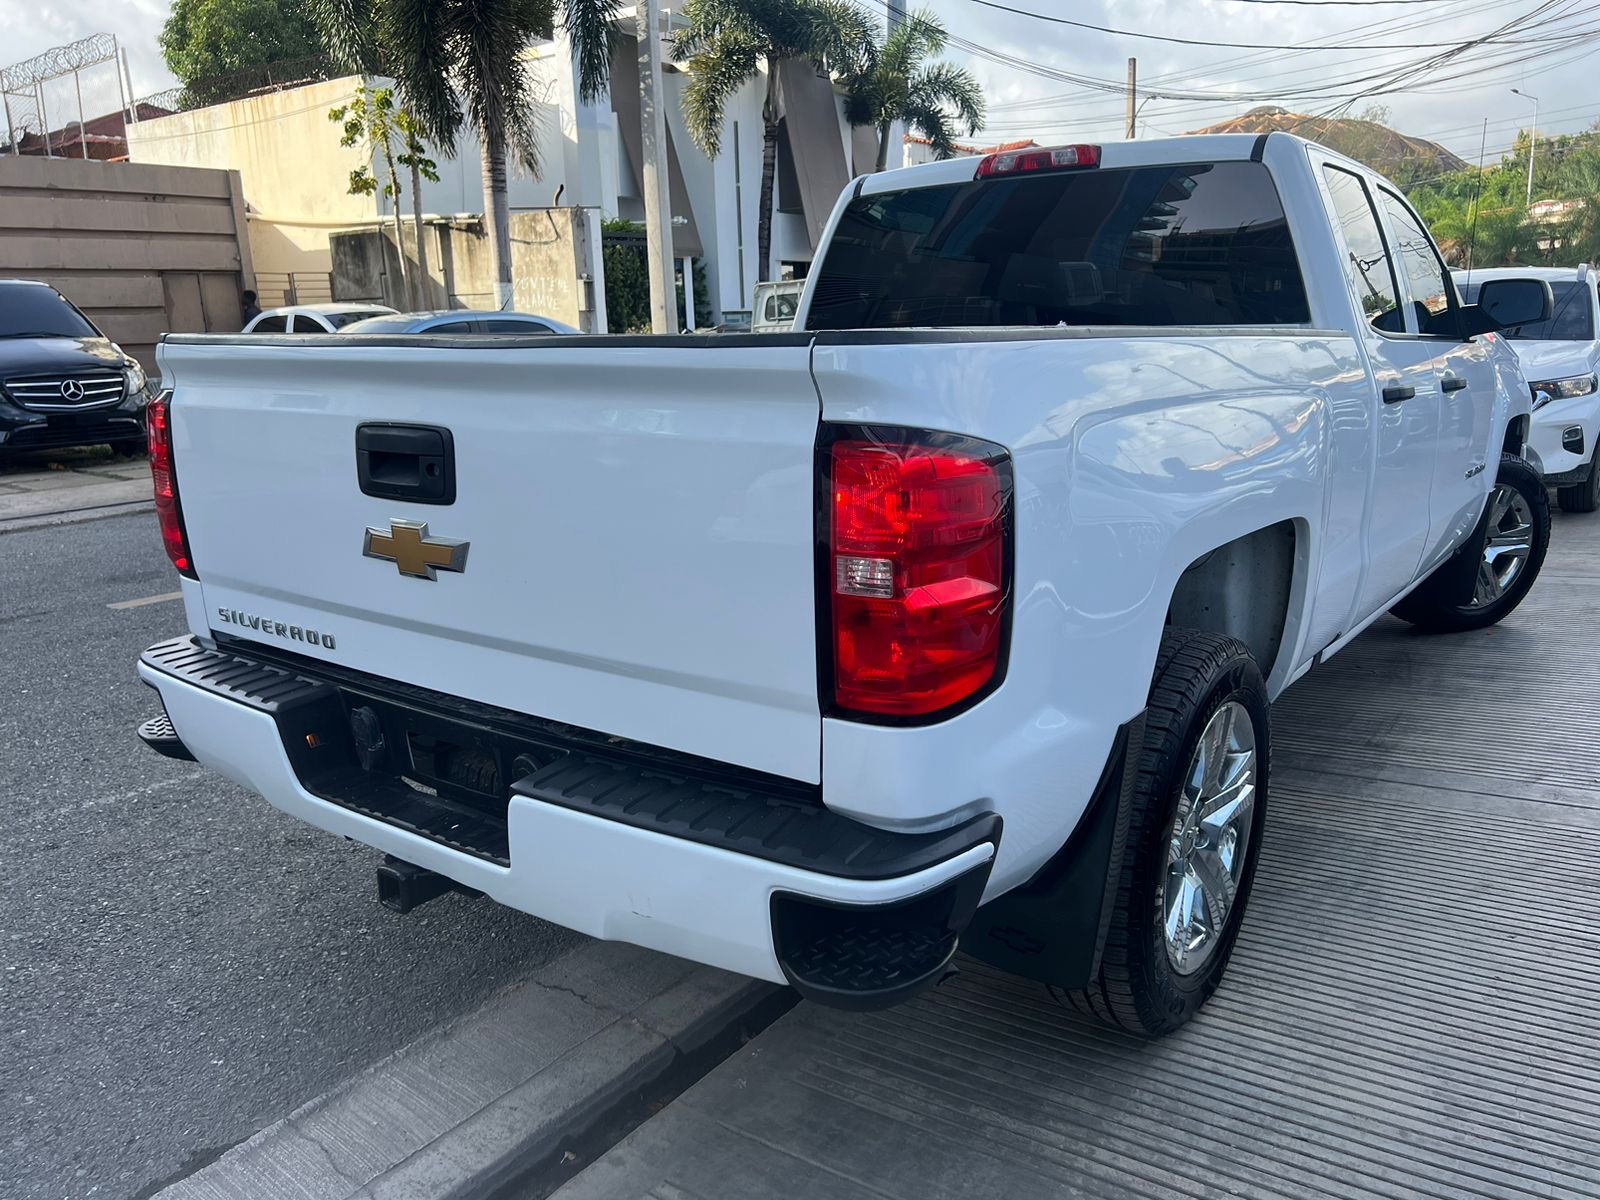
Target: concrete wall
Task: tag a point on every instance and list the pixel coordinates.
(142, 250)
(554, 265)
(287, 152)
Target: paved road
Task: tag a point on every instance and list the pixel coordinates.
(180, 964)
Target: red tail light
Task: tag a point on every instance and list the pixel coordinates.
(158, 426)
(1049, 158)
(918, 572)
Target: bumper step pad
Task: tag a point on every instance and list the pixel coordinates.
(160, 736)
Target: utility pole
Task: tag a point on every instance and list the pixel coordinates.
(657, 193)
(1133, 88)
(1533, 139)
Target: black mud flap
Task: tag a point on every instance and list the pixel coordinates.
(1053, 927)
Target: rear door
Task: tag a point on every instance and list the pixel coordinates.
(1463, 373)
(638, 523)
(1405, 411)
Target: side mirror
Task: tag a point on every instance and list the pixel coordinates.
(1507, 303)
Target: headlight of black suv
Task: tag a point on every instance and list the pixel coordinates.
(1562, 389)
(133, 378)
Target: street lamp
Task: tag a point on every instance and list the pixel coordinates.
(1533, 139)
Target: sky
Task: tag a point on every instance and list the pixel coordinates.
(1447, 105)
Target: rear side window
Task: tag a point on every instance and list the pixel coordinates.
(340, 319)
(1191, 245)
(273, 324)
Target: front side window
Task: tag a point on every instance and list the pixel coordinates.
(1367, 262)
(1432, 290)
(512, 325)
(1204, 244)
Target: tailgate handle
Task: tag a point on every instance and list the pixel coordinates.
(406, 462)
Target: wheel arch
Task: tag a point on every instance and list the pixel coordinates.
(1250, 587)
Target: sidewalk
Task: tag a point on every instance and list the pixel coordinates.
(518, 1095)
(1409, 1010)
(61, 487)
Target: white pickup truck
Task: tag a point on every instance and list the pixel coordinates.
(951, 618)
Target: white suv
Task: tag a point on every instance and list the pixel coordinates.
(1561, 359)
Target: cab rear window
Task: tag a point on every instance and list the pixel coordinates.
(1203, 244)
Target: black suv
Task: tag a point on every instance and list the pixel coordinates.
(62, 381)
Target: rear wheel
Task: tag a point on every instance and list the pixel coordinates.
(1198, 802)
(1582, 497)
(1488, 577)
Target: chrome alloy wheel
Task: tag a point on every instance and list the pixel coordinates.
(1507, 546)
(1209, 839)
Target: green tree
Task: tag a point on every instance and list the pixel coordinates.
(204, 41)
(457, 64)
(900, 84)
(727, 44)
(373, 121)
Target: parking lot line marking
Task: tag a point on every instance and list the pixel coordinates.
(141, 602)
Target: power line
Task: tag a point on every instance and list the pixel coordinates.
(1181, 41)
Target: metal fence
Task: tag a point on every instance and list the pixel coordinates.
(276, 289)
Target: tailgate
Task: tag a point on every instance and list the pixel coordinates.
(639, 520)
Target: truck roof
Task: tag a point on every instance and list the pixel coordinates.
(1192, 148)
(1553, 274)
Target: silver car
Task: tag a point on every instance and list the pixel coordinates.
(461, 321)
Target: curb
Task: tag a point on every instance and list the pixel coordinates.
(513, 1099)
(74, 516)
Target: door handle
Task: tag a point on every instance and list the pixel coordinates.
(416, 463)
(1452, 383)
(1397, 392)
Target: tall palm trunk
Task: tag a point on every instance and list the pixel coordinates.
(399, 230)
(883, 146)
(424, 287)
(497, 215)
(769, 170)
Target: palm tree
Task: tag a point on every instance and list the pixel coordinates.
(457, 63)
(727, 44)
(901, 85)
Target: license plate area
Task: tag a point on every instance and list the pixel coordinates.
(446, 778)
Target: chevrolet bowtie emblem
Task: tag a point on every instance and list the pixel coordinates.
(408, 546)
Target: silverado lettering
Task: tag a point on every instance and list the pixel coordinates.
(293, 633)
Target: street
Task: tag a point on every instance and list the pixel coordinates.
(181, 964)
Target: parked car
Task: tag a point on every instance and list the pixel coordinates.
(313, 318)
(62, 381)
(461, 321)
(776, 303)
(1561, 359)
(955, 617)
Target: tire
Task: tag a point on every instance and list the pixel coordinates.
(1444, 603)
(1582, 497)
(1139, 987)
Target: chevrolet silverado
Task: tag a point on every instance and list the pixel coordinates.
(950, 619)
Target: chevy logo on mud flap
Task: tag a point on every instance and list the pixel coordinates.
(408, 546)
